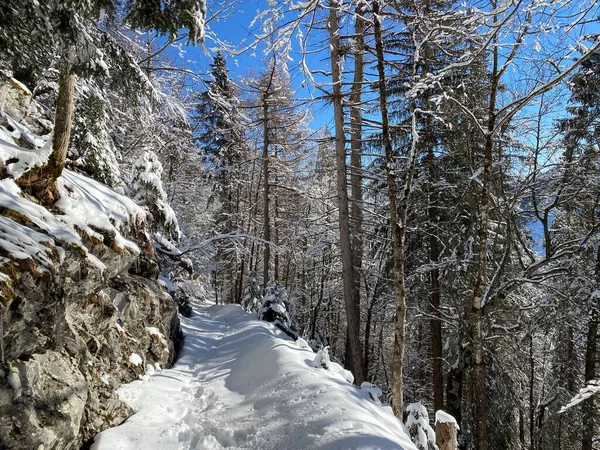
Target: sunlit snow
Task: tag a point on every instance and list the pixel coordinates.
(241, 383)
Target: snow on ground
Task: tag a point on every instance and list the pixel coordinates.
(241, 383)
(85, 205)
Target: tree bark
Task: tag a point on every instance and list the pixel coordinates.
(39, 180)
(531, 395)
(434, 288)
(591, 348)
(476, 317)
(445, 436)
(356, 213)
(266, 186)
(398, 215)
(454, 389)
(354, 357)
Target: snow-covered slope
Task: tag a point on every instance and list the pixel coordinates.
(87, 212)
(241, 383)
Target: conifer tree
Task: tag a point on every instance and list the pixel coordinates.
(92, 146)
(68, 27)
(147, 189)
(252, 299)
(276, 305)
(222, 141)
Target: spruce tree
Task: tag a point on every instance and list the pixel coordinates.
(147, 189)
(221, 139)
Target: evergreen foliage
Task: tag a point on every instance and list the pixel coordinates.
(252, 300)
(92, 145)
(221, 138)
(419, 430)
(276, 306)
(147, 189)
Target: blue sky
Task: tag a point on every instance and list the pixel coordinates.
(232, 27)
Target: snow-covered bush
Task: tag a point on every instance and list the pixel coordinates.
(174, 264)
(303, 344)
(276, 305)
(371, 391)
(323, 361)
(419, 430)
(147, 189)
(252, 299)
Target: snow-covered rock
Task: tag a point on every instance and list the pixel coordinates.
(15, 97)
(72, 303)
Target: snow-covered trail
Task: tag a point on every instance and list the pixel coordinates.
(240, 383)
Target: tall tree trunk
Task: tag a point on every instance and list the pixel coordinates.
(315, 315)
(522, 428)
(570, 360)
(476, 317)
(531, 395)
(477, 313)
(591, 348)
(398, 215)
(369, 321)
(266, 186)
(588, 408)
(454, 389)
(276, 241)
(63, 124)
(434, 288)
(356, 213)
(351, 295)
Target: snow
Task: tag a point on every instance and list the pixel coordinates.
(28, 231)
(86, 205)
(21, 159)
(135, 359)
(89, 205)
(417, 424)
(592, 388)
(14, 380)
(444, 417)
(153, 331)
(372, 392)
(21, 241)
(241, 383)
(322, 361)
(24, 243)
(22, 132)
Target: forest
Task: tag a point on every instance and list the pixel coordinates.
(413, 185)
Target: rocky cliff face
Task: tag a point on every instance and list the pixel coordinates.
(81, 310)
